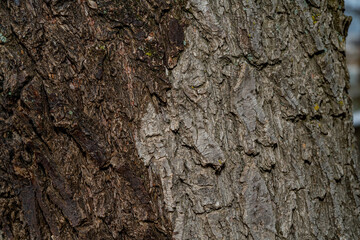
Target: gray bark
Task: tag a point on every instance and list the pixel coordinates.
(256, 141)
(198, 119)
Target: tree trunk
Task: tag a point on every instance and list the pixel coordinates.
(198, 119)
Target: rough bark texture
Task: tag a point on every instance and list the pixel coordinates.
(76, 76)
(205, 119)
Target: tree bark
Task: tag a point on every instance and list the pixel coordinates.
(196, 119)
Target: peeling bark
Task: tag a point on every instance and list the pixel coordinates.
(176, 120)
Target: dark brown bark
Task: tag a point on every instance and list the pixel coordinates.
(75, 77)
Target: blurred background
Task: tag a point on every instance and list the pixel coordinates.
(352, 8)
